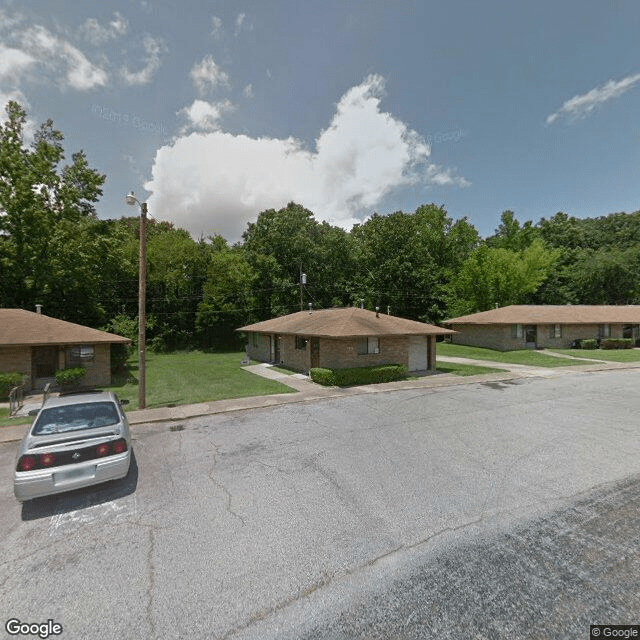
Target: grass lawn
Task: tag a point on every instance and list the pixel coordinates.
(611, 355)
(520, 356)
(464, 369)
(5, 420)
(194, 376)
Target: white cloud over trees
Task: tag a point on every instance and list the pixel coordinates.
(216, 182)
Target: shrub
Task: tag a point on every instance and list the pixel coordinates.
(616, 343)
(70, 378)
(322, 376)
(359, 375)
(10, 380)
(589, 344)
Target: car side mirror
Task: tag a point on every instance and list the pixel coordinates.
(33, 412)
(124, 401)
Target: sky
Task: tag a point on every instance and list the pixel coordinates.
(215, 111)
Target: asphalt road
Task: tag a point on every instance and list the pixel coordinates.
(497, 510)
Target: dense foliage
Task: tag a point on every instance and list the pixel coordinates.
(421, 265)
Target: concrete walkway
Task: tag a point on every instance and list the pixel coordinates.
(308, 391)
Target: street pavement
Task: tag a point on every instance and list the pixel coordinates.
(496, 508)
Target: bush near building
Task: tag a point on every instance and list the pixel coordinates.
(358, 375)
(8, 381)
(616, 343)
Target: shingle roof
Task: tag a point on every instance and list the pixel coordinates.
(20, 327)
(343, 323)
(553, 314)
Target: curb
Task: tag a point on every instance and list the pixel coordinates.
(14, 433)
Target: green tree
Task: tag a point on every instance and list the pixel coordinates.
(39, 199)
(228, 301)
(510, 235)
(405, 261)
(495, 276)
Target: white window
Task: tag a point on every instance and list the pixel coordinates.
(604, 331)
(555, 331)
(368, 345)
(517, 331)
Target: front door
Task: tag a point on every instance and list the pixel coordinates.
(44, 363)
(276, 349)
(315, 352)
(531, 335)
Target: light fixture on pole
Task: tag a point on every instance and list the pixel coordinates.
(131, 200)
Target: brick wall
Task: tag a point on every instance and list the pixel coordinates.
(343, 353)
(499, 336)
(99, 371)
(298, 359)
(261, 352)
(15, 359)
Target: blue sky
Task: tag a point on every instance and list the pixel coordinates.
(214, 111)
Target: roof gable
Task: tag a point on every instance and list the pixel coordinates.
(19, 327)
(342, 323)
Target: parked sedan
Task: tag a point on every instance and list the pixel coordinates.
(76, 440)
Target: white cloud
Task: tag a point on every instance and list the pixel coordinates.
(216, 182)
(247, 92)
(204, 116)
(216, 25)
(207, 75)
(13, 63)
(96, 33)
(54, 52)
(153, 47)
(582, 105)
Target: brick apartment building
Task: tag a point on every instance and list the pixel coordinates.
(539, 326)
(342, 338)
(37, 345)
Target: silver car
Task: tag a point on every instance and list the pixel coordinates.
(76, 440)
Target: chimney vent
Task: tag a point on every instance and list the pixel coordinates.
(362, 303)
(377, 312)
(311, 307)
(39, 308)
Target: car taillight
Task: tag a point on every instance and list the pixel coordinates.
(102, 449)
(120, 445)
(26, 463)
(47, 459)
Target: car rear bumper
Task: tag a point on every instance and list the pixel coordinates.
(44, 482)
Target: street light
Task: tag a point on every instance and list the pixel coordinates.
(131, 200)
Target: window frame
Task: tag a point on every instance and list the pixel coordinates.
(368, 346)
(86, 354)
(555, 331)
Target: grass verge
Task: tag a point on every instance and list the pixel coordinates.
(610, 355)
(465, 369)
(528, 357)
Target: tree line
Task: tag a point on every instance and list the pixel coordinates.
(421, 265)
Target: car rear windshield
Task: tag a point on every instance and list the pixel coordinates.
(73, 417)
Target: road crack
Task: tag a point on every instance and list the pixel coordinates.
(223, 488)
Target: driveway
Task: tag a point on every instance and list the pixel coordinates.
(271, 523)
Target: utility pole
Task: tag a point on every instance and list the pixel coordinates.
(131, 200)
(142, 311)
